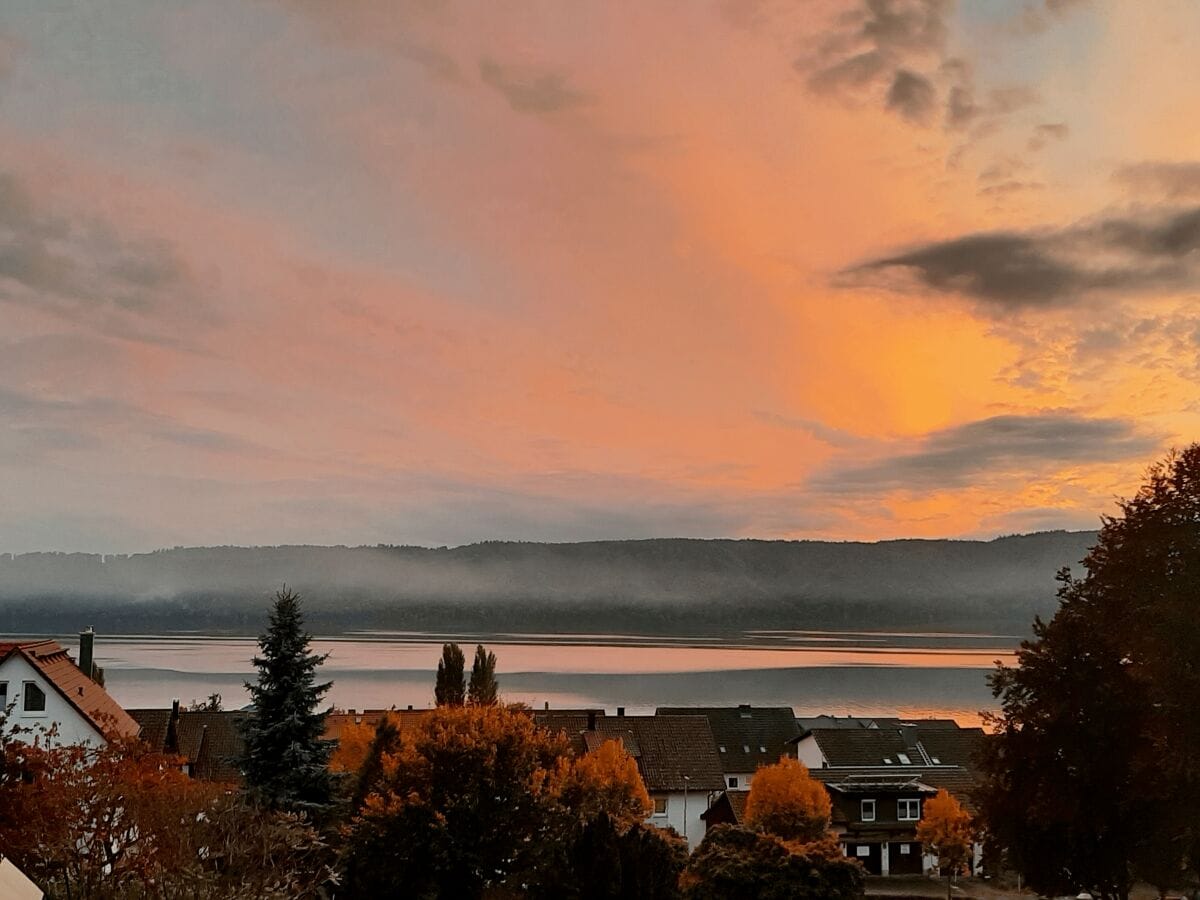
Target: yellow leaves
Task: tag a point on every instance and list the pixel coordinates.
(603, 781)
(353, 745)
(786, 801)
(947, 830)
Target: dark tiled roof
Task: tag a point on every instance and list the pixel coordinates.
(734, 801)
(666, 747)
(208, 741)
(747, 736)
(921, 742)
(86, 696)
(405, 719)
(958, 780)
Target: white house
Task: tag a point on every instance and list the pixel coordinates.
(45, 692)
(676, 757)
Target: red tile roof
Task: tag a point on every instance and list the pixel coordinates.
(87, 697)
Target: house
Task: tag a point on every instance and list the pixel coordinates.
(676, 756)
(879, 776)
(49, 692)
(209, 741)
(14, 885)
(747, 737)
(338, 719)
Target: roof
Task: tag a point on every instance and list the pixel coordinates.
(747, 736)
(87, 697)
(336, 721)
(735, 801)
(668, 749)
(921, 743)
(210, 741)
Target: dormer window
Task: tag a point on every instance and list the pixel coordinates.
(33, 698)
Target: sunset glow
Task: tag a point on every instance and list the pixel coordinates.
(438, 273)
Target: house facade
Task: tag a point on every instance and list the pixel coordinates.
(676, 757)
(50, 697)
(746, 737)
(879, 776)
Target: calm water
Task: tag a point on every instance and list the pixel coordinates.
(909, 674)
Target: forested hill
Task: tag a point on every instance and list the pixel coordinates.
(668, 584)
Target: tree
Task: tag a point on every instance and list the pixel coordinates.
(285, 759)
(450, 690)
(353, 747)
(1094, 766)
(211, 703)
(604, 782)
(461, 806)
(946, 830)
(788, 802)
(482, 689)
(735, 863)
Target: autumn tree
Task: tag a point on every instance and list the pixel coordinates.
(1094, 767)
(785, 800)
(482, 690)
(285, 757)
(603, 782)
(385, 742)
(353, 745)
(947, 832)
(735, 863)
(461, 806)
(450, 687)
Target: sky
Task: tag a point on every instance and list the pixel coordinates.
(439, 272)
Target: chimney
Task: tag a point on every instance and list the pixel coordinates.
(744, 710)
(171, 739)
(620, 710)
(547, 705)
(591, 720)
(87, 643)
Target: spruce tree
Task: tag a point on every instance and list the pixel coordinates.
(450, 688)
(483, 687)
(285, 759)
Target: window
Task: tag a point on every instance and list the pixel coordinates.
(905, 849)
(722, 748)
(908, 810)
(733, 782)
(904, 760)
(745, 748)
(660, 806)
(762, 749)
(887, 760)
(862, 850)
(3, 695)
(868, 811)
(35, 698)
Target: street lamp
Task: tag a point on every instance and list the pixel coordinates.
(685, 792)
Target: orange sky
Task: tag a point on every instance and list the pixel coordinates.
(435, 273)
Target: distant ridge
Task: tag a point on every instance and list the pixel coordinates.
(656, 584)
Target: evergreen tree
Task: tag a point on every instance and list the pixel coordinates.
(285, 759)
(483, 687)
(450, 689)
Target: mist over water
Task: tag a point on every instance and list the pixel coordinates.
(842, 673)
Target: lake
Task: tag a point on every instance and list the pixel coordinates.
(859, 673)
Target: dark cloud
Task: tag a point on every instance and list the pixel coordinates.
(84, 270)
(1005, 270)
(912, 96)
(531, 91)
(878, 44)
(1017, 445)
(1169, 180)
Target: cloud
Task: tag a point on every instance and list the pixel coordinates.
(1047, 132)
(834, 437)
(1000, 445)
(529, 90)
(1162, 180)
(82, 269)
(912, 96)
(1007, 270)
(877, 43)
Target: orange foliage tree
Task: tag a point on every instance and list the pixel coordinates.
(603, 781)
(354, 743)
(947, 831)
(785, 800)
(460, 805)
